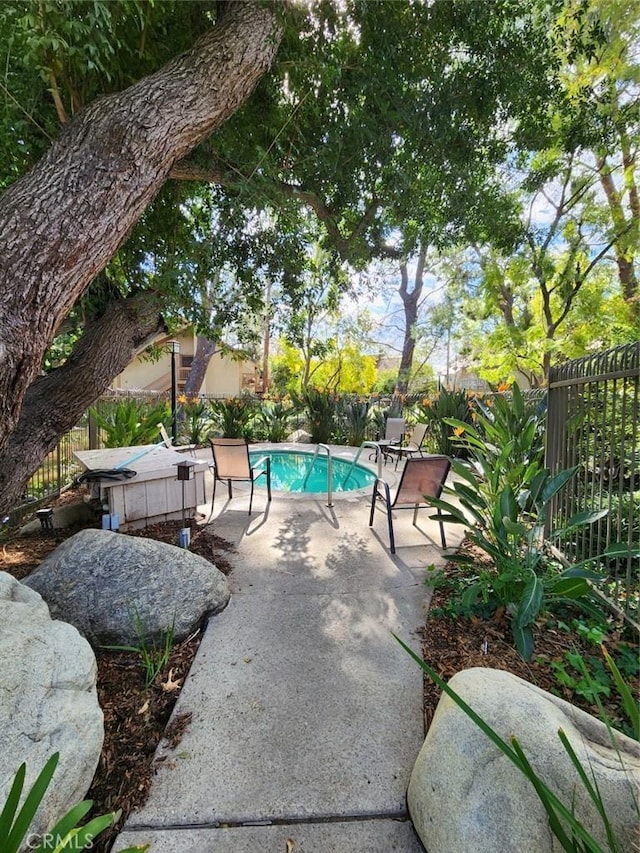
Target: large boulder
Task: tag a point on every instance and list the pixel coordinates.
(466, 795)
(48, 701)
(119, 589)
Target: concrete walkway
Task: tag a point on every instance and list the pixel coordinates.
(306, 712)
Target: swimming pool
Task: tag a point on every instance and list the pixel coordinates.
(291, 471)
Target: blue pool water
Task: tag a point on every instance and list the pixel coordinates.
(290, 472)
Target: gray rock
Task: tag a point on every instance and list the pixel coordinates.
(465, 795)
(299, 437)
(116, 588)
(48, 701)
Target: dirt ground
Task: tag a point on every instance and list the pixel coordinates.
(136, 716)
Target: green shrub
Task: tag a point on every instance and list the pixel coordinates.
(322, 411)
(447, 404)
(356, 421)
(194, 422)
(128, 422)
(273, 420)
(503, 500)
(233, 417)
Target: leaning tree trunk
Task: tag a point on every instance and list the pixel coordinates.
(410, 299)
(62, 222)
(55, 402)
(205, 350)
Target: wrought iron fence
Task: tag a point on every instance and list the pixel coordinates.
(594, 424)
(58, 470)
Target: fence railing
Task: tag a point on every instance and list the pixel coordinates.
(593, 423)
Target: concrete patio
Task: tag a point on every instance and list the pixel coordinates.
(306, 713)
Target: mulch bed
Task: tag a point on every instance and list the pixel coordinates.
(451, 643)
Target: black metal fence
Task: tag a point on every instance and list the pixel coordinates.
(594, 424)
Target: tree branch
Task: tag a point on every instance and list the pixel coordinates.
(62, 222)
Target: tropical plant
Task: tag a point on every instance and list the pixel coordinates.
(506, 417)
(356, 420)
(129, 422)
(321, 409)
(233, 417)
(503, 498)
(592, 676)
(447, 404)
(16, 823)
(563, 822)
(273, 419)
(194, 420)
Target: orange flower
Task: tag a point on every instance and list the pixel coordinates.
(182, 399)
(503, 386)
(458, 431)
(426, 402)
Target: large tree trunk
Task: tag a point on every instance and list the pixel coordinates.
(205, 350)
(410, 299)
(55, 402)
(61, 223)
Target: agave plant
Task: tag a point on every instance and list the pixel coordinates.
(356, 419)
(274, 418)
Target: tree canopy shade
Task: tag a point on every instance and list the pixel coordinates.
(64, 220)
(385, 123)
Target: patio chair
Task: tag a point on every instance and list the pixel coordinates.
(421, 476)
(231, 463)
(413, 446)
(393, 434)
(168, 443)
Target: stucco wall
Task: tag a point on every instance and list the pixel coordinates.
(225, 376)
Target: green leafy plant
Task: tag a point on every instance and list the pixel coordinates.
(565, 826)
(356, 419)
(321, 409)
(233, 417)
(447, 404)
(16, 821)
(503, 498)
(153, 656)
(273, 420)
(128, 422)
(593, 676)
(509, 527)
(194, 420)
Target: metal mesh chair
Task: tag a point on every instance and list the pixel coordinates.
(393, 435)
(421, 476)
(231, 462)
(413, 446)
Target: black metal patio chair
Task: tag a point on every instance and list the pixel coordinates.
(231, 462)
(425, 475)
